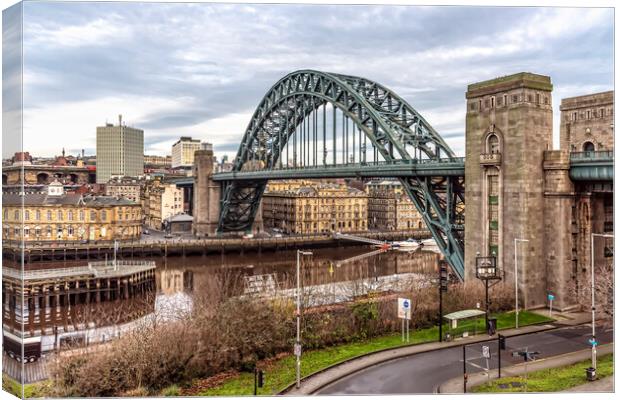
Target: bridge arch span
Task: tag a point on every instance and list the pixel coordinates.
(293, 117)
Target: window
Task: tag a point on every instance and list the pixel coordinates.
(588, 146)
(49, 231)
(486, 103)
(505, 99)
(59, 215)
(493, 144)
(602, 112)
(103, 215)
(59, 231)
(93, 215)
(16, 215)
(49, 215)
(493, 102)
(37, 215)
(81, 215)
(515, 98)
(37, 231)
(27, 215)
(70, 231)
(472, 106)
(588, 114)
(537, 98)
(6, 214)
(16, 231)
(546, 100)
(26, 232)
(574, 116)
(70, 215)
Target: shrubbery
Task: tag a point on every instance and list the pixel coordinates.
(232, 333)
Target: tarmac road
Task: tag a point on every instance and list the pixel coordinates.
(422, 373)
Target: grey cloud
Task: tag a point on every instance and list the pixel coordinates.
(221, 59)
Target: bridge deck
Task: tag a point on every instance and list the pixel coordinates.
(401, 168)
(592, 166)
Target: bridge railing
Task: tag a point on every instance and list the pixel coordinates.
(426, 161)
(591, 155)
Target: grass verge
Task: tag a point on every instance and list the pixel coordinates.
(38, 389)
(281, 373)
(550, 380)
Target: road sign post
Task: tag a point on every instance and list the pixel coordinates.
(464, 370)
(550, 297)
(486, 353)
(443, 287)
(404, 313)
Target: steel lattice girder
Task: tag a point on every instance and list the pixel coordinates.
(393, 127)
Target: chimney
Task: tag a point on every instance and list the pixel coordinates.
(120, 119)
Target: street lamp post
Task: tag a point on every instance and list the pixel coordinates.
(486, 270)
(593, 340)
(298, 339)
(517, 283)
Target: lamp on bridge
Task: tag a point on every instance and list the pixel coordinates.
(486, 270)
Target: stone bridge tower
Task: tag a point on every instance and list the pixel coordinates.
(206, 194)
(508, 128)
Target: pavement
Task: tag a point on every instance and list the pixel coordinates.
(455, 385)
(327, 380)
(601, 385)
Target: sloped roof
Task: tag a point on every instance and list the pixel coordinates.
(463, 314)
(180, 218)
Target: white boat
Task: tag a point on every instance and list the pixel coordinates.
(409, 244)
(428, 243)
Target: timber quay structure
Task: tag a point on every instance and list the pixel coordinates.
(186, 247)
(47, 300)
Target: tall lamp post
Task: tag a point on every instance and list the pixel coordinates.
(517, 282)
(297, 349)
(486, 270)
(592, 372)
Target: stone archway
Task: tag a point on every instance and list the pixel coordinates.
(43, 178)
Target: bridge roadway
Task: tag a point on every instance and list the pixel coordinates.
(584, 166)
(398, 168)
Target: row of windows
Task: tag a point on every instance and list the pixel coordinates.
(60, 215)
(503, 100)
(590, 114)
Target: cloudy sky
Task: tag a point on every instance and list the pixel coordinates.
(201, 69)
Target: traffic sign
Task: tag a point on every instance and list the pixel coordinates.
(550, 297)
(297, 350)
(404, 308)
(485, 352)
(593, 342)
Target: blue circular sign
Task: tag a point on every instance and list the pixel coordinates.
(406, 304)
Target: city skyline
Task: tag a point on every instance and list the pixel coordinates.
(196, 69)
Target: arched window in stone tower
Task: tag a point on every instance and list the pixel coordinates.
(588, 146)
(493, 146)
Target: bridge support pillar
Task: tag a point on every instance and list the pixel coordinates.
(206, 207)
(560, 231)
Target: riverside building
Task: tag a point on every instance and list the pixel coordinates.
(56, 216)
(315, 208)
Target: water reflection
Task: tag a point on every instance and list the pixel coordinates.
(330, 275)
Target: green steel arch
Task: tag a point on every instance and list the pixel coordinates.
(395, 130)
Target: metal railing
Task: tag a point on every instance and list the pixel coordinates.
(424, 161)
(93, 269)
(604, 155)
